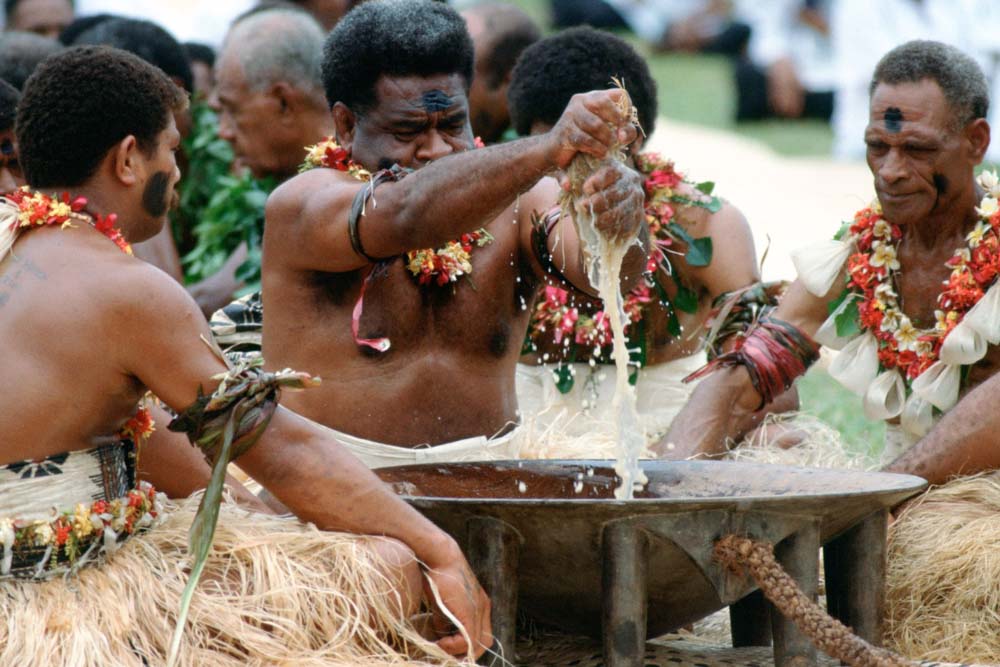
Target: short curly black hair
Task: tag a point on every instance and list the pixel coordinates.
(9, 97)
(393, 38)
(573, 61)
(82, 24)
(960, 77)
(145, 39)
(82, 102)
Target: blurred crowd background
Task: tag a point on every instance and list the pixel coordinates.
(746, 65)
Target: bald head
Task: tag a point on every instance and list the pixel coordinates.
(277, 45)
(500, 32)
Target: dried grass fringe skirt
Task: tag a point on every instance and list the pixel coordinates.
(275, 592)
(943, 577)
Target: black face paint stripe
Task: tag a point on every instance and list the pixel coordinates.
(154, 196)
(893, 118)
(436, 100)
(941, 183)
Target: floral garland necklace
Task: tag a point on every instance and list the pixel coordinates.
(37, 209)
(558, 320)
(429, 266)
(871, 274)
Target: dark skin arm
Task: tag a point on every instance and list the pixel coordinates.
(444, 199)
(725, 404)
(169, 462)
(964, 442)
(315, 476)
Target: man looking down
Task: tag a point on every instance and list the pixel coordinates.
(907, 291)
(410, 292)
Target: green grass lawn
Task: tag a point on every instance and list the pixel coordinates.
(699, 89)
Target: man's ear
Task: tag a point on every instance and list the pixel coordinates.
(977, 133)
(287, 98)
(125, 161)
(344, 123)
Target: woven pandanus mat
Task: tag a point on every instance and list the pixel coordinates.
(674, 650)
(557, 650)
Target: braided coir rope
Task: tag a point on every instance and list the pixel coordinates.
(739, 554)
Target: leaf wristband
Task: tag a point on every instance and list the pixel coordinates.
(773, 351)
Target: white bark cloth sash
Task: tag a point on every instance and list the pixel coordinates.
(31, 489)
(380, 455)
(660, 395)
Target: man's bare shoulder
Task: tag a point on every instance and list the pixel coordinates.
(141, 287)
(316, 187)
(697, 217)
(542, 196)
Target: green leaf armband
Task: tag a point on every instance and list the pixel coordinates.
(225, 425)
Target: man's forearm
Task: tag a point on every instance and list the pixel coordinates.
(454, 195)
(720, 409)
(323, 483)
(964, 442)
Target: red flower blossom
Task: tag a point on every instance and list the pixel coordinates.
(62, 531)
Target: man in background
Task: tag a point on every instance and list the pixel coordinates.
(44, 17)
(500, 32)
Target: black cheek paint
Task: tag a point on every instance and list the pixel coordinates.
(436, 100)
(941, 183)
(893, 118)
(154, 197)
(384, 163)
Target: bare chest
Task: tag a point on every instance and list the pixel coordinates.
(482, 311)
(919, 284)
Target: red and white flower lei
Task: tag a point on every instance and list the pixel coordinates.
(429, 266)
(568, 326)
(39, 210)
(82, 530)
(974, 269)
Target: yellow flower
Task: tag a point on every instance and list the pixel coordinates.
(42, 535)
(876, 206)
(906, 335)
(988, 207)
(60, 209)
(977, 233)
(890, 320)
(82, 525)
(884, 295)
(884, 255)
(944, 320)
(882, 230)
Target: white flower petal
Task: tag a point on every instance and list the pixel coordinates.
(857, 364)
(938, 385)
(963, 345)
(984, 317)
(885, 396)
(820, 264)
(917, 417)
